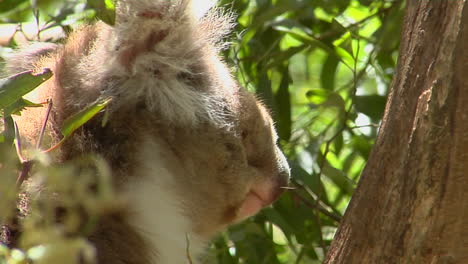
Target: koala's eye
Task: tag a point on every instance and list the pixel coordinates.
(244, 134)
(230, 147)
(255, 162)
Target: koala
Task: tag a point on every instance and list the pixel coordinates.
(190, 150)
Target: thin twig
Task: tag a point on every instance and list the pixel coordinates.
(44, 124)
(36, 20)
(187, 249)
(331, 34)
(54, 147)
(18, 143)
(23, 175)
(362, 126)
(318, 207)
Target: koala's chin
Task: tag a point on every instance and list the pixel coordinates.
(190, 151)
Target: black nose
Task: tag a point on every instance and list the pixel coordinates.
(280, 186)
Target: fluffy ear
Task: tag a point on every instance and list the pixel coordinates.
(23, 58)
(201, 7)
(166, 32)
(166, 56)
(160, 55)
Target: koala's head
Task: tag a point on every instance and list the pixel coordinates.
(236, 171)
(218, 174)
(216, 157)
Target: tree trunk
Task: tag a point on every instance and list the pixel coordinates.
(411, 205)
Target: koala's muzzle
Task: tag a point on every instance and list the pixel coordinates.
(265, 191)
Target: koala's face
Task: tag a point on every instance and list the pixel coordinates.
(236, 172)
(226, 174)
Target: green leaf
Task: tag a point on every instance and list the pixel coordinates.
(335, 100)
(77, 120)
(265, 91)
(345, 57)
(14, 87)
(303, 37)
(283, 56)
(327, 76)
(317, 96)
(299, 218)
(18, 106)
(371, 105)
(309, 180)
(344, 42)
(276, 218)
(7, 5)
(222, 251)
(338, 144)
(362, 145)
(8, 134)
(349, 161)
(283, 106)
(391, 28)
(272, 12)
(105, 10)
(339, 178)
(386, 63)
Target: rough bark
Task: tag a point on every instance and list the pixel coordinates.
(411, 205)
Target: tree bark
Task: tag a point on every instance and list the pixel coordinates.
(411, 204)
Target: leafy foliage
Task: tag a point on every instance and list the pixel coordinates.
(323, 68)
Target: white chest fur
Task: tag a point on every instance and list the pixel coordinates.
(158, 213)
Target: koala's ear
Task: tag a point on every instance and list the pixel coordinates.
(200, 8)
(22, 60)
(160, 52)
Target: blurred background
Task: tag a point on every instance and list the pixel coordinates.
(323, 67)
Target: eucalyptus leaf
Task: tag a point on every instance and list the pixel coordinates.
(317, 96)
(362, 146)
(327, 76)
(9, 130)
(105, 10)
(7, 5)
(302, 36)
(265, 91)
(77, 120)
(283, 107)
(14, 87)
(339, 178)
(18, 106)
(371, 105)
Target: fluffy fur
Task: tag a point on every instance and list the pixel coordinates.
(190, 150)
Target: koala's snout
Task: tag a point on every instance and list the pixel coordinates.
(275, 186)
(266, 190)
